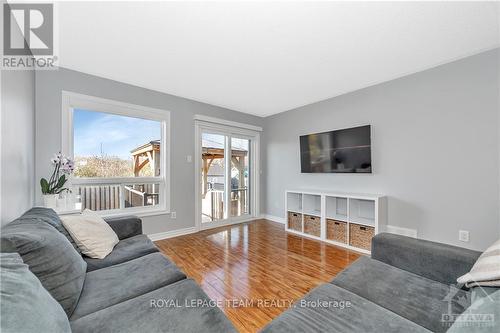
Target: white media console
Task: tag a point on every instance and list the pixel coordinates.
(345, 219)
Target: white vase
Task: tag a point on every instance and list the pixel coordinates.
(61, 204)
(50, 200)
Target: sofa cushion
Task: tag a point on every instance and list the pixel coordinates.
(436, 261)
(125, 226)
(126, 249)
(111, 285)
(49, 216)
(156, 312)
(321, 311)
(25, 305)
(411, 296)
(51, 257)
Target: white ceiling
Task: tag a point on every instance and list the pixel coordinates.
(263, 58)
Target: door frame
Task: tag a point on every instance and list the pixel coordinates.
(239, 130)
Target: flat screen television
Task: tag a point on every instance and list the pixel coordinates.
(342, 151)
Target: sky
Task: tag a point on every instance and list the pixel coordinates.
(117, 134)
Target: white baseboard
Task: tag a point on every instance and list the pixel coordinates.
(226, 224)
(173, 233)
(273, 218)
(401, 231)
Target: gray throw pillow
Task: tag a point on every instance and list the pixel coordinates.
(49, 216)
(25, 306)
(50, 256)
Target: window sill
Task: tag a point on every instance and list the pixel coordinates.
(138, 213)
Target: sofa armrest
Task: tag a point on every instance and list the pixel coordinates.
(125, 226)
(439, 262)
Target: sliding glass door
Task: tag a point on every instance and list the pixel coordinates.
(224, 176)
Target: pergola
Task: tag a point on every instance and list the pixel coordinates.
(149, 153)
(209, 154)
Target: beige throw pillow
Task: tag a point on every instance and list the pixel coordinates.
(91, 233)
(486, 270)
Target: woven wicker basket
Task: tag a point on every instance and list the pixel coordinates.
(295, 221)
(312, 225)
(336, 231)
(360, 236)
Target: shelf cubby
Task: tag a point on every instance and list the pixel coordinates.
(362, 212)
(294, 221)
(312, 204)
(336, 208)
(294, 202)
(312, 225)
(336, 231)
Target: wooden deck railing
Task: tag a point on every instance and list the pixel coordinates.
(99, 197)
(106, 197)
(213, 203)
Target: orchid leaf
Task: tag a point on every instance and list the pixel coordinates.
(45, 186)
(61, 181)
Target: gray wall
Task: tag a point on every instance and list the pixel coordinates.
(50, 84)
(420, 123)
(17, 143)
(435, 149)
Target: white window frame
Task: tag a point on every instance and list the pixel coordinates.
(72, 101)
(230, 129)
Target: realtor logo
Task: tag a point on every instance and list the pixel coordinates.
(29, 36)
(36, 24)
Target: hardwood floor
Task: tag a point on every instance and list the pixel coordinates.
(255, 270)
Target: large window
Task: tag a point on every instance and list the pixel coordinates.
(120, 153)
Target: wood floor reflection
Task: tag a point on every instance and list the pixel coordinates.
(255, 270)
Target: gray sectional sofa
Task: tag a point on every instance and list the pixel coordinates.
(408, 285)
(120, 293)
